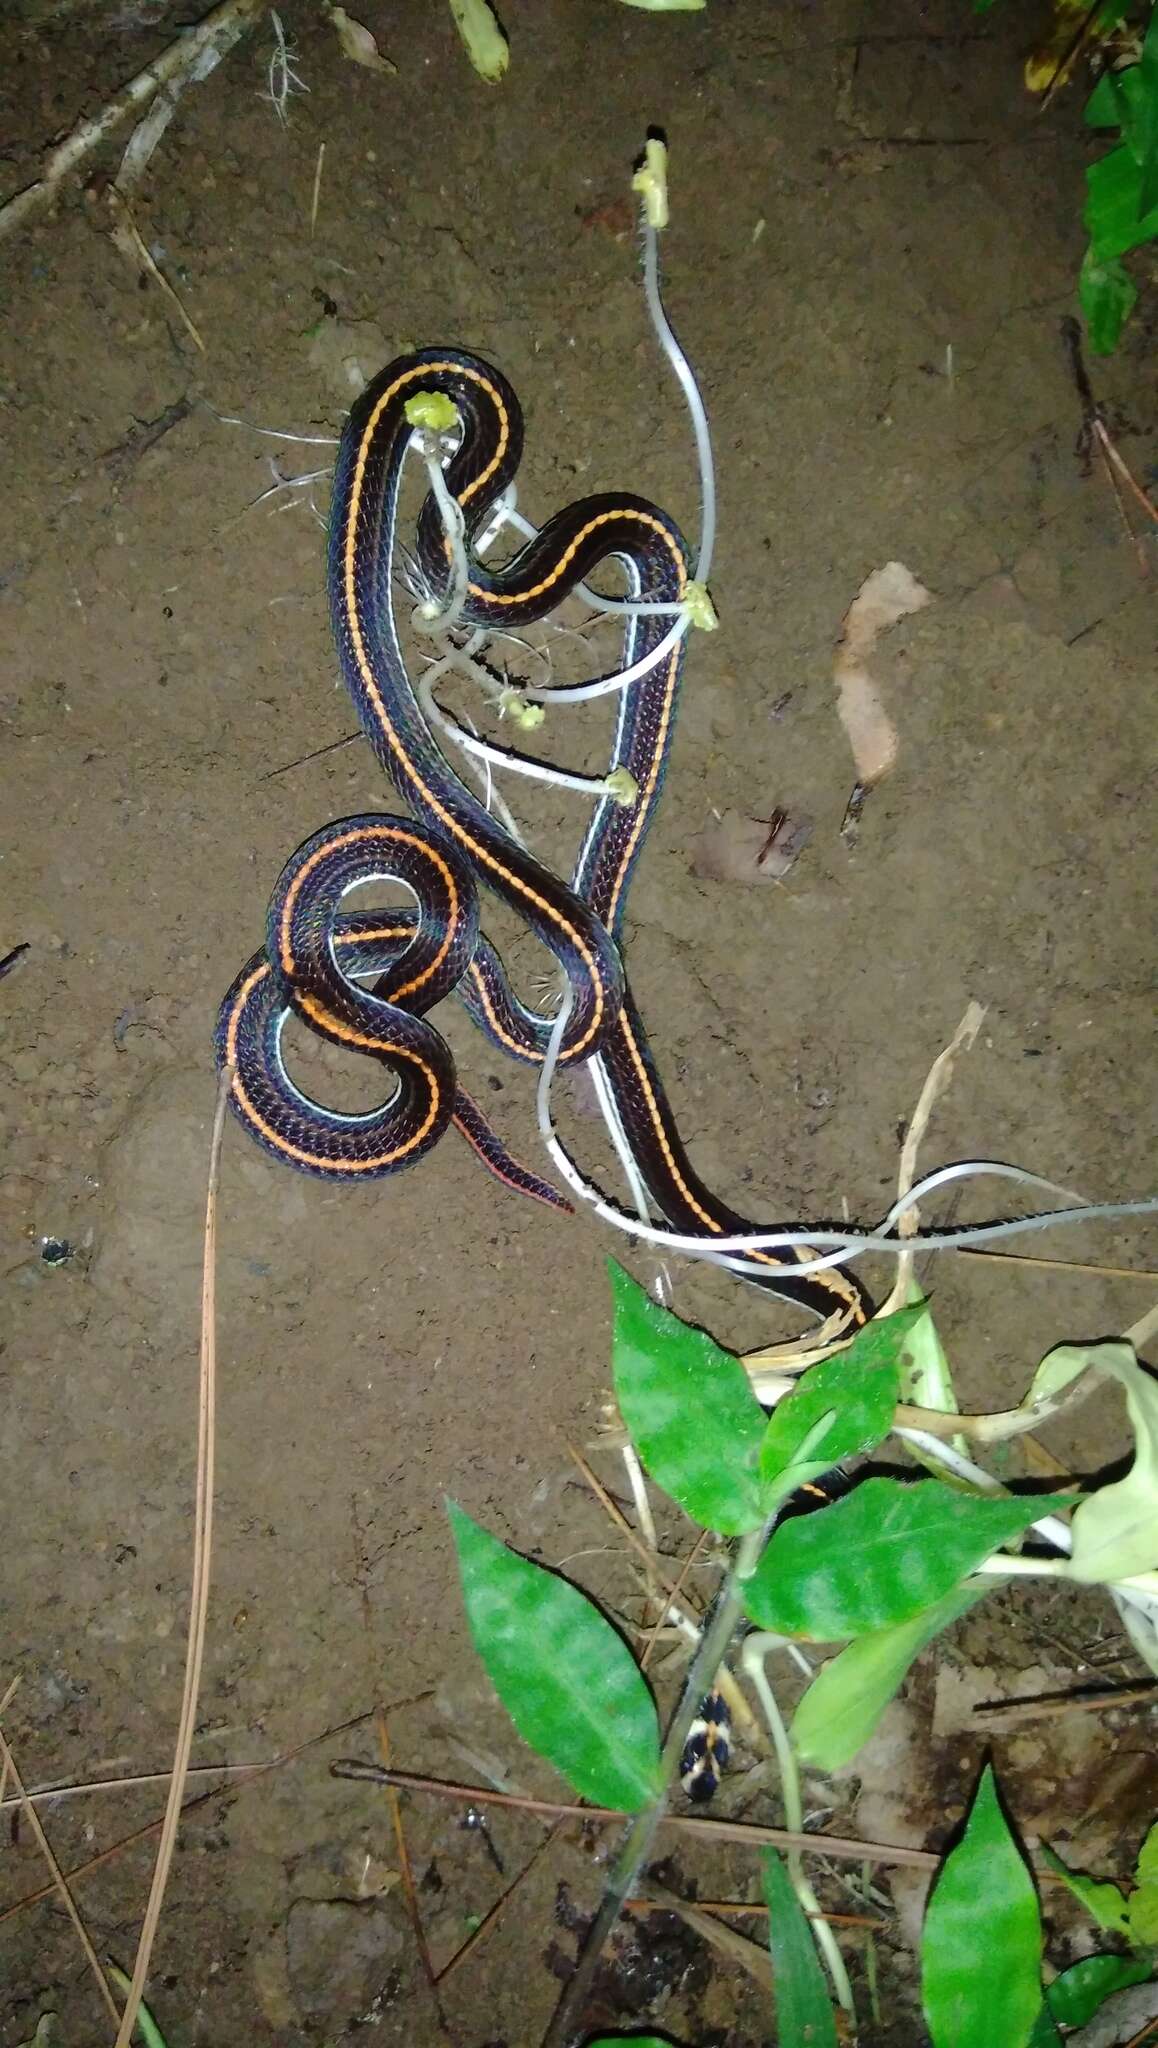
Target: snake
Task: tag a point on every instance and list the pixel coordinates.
(366, 981)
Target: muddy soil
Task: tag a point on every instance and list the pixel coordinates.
(875, 239)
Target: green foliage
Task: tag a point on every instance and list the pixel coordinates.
(850, 1693)
(690, 1411)
(482, 38)
(804, 2015)
(1115, 1530)
(881, 1556)
(981, 1943)
(146, 2028)
(1075, 1996)
(1121, 210)
(566, 1678)
(857, 1389)
(1103, 1901)
(883, 1570)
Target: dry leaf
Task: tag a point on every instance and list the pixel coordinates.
(886, 596)
(358, 43)
(733, 848)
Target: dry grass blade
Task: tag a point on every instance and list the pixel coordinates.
(127, 237)
(199, 1592)
(684, 1572)
(936, 1082)
(59, 1883)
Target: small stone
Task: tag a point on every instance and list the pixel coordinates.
(338, 1956)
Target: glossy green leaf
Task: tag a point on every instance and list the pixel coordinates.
(1115, 1530)
(1142, 1916)
(689, 1409)
(1113, 212)
(146, 2029)
(858, 1387)
(1102, 1900)
(1146, 1868)
(1108, 295)
(850, 1693)
(564, 1675)
(483, 39)
(981, 1942)
(804, 2015)
(880, 1556)
(1075, 1996)
(1044, 2033)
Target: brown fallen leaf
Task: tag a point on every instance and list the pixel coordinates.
(734, 848)
(888, 595)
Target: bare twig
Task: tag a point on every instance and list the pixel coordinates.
(750, 1955)
(199, 1592)
(244, 1773)
(840, 1846)
(216, 32)
(1011, 1713)
(487, 1926)
(739, 1909)
(59, 1882)
(977, 1251)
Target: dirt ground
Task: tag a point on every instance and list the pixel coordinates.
(875, 238)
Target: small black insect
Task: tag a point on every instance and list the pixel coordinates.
(707, 1748)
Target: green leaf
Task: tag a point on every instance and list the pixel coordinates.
(926, 1379)
(981, 1942)
(1142, 1914)
(689, 1409)
(850, 1693)
(1102, 1900)
(485, 43)
(45, 2036)
(1115, 1530)
(566, 1678)
(1044, 2033)
(804, 2015)
(146, 2027)
(1146, 1868)
(1108, 295)
(1113, 211)
(880, 1556)
(1075, 1996)
(859, 1388)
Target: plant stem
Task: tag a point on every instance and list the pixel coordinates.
(637, 1847)
(756, 1649)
